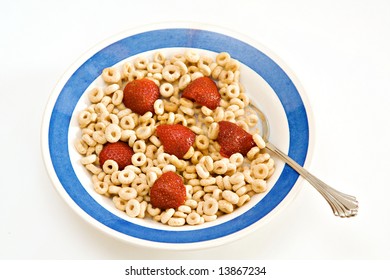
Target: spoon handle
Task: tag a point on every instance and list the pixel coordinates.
(343, 205)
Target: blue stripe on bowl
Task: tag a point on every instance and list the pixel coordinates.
(166, 38)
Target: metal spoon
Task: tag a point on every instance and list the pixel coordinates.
(343, 205)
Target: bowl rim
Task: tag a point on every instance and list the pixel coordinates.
(162, 245)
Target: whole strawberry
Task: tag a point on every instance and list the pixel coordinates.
(118, 151)
(168, 191)
(233, 139)
(140, 95)
(203, 91)
(175, 138)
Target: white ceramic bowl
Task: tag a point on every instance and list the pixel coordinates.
(268, 82)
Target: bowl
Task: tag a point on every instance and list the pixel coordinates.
(269, 84)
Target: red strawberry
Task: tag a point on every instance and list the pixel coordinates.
(204, 91)
(233, 139)
(140, 95)
(168, 191)
(175, 138)
(118, 151)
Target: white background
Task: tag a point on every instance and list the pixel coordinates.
(338, 49)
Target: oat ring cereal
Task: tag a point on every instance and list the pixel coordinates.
(213, 181)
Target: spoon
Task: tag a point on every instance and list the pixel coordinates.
(343, 205)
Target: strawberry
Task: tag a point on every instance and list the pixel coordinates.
(168, 191)
(233, 139)
(118, 151)
(140, 95)
(175, 138)
(204, 91)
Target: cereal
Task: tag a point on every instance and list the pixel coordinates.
(215, 185)
(100, 187)
(88, 159)
(126, 176)
(119, 203)
(167, 215)
(210, 206)
(111, 75)
(193, 218)
(110, 166)
(113, 133)
(175, 222)
(225, 206)
(127, 193)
